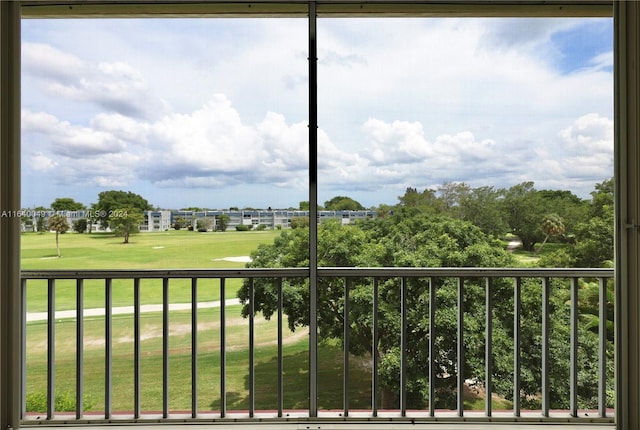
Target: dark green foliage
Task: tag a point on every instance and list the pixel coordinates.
(299, 221)
(125, 222)
(438, 242)
(524, 210)
(242, 227)
(66, 204)
(342, 203)
(447, 228)
(203, 225)
(222, 222)
(594, 235)
(109, 201)
(180, 223)
(80, 226)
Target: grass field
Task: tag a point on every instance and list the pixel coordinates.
(161, 250)
(158, 250)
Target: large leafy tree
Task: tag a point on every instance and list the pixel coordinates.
(342, 203)
(66, 204)
(410, 242)
(59, 224)
(482, 207)
(109, 201)
(125, 222)
(594, 236)
(524, 208)
(222, 222)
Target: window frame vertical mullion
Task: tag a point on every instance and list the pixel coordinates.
(313, 211)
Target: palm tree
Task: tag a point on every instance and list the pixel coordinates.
(551, 225)
(59, 224)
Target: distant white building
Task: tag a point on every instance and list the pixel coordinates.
(163, 220)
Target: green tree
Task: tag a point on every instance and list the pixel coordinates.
(40, 218)
(203, 225)
(299, 221)
(451, 194)
(109, 201)
(342, 203)
(59, 224)
(411, 242)
(425, 202)
(571, 208)
(524, 208)
(222, 222)
(483, 208)
(125, 222)
(80, 226)
(66, 204)
(180, 223)
(594, 236)
(552, 225)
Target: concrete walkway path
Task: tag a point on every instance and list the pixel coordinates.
(124, 310)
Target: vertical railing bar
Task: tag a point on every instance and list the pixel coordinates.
(517, 306)
(403, 348)
(51, 347)
(545, 346)
(488, 360)
(79, 348)
(346, 327)
(165, 347)
(108, 347)
(280, 351)
(432, 346)
(194, 347)
(23, 346)
(374, 350)
(460, 366)
(602, 349)
(252, 305)
(223, 350)
(573, 354)
(137, 374)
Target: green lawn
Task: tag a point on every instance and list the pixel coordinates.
(161, 250)
(295, 377)
(158, 250)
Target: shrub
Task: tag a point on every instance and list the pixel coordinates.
(242, 227)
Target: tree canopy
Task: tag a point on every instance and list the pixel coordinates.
(342, 203)
(109, 201)
(66, 204)
(427, 229)
(126, 221)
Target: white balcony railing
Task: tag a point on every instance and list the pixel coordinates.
(406, 281)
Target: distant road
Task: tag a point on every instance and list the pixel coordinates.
(124, 310)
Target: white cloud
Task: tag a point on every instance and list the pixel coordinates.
(39, 161)
(115, 86)
(70, 140)
(402, 103)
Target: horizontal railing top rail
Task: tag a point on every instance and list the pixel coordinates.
(380, 272)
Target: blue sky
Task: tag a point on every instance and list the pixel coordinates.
(213, 113)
